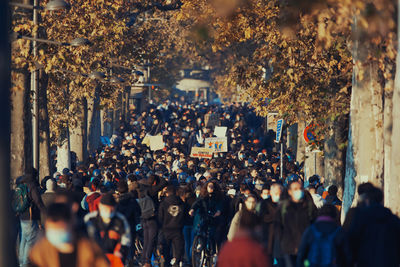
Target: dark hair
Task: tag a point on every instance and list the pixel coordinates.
(364, 188)
(375, 195)
(249, 220)
(171, 190)
(59, 212)
(332, 190)
(328, 210)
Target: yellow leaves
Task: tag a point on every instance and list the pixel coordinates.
(248, 32)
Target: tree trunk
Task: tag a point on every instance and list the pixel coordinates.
(334, 153)
(44, 130)
(8, 222)
(64, 151)
(301, 143)
(94, 127)
(78, 134)
(21, 150)
(366, 115)
(392, 195)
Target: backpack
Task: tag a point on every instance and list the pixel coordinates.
(147, 207)
(322, 251)
(20, 200)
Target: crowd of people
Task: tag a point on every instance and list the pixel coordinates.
(127, 205)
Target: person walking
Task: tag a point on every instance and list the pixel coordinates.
(171, 217)
(293, 216)
(61, 246)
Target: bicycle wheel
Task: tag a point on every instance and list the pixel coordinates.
(198, 252)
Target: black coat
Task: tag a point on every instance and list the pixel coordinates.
(343, 254)
(374, 234)
(290, 222)
(267, 212)
(171, 213)
(128, 206)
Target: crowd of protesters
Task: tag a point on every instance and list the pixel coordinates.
(127, 205)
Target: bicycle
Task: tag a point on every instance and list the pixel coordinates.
(204, 247)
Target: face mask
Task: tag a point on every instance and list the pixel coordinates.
(58, 237)
(246, 195)
(298, 194)
(275, 198)
(141, 161)
(197, 194)
(62, 185)
(106, 214)
(265, 196)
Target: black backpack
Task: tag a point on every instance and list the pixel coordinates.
(322, 251)
(147, 207)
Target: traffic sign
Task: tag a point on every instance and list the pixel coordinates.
(279, 126)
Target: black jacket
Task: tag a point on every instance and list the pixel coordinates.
(290, 222)
(128, 206)
(343, 254)
(267, 212)
(374, 235)
(171, 213)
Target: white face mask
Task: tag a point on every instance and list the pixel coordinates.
(275, 198)
(105, 214)
(264, 196)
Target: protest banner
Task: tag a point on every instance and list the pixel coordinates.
(156, 143)
(218, 144)
(220, 131)
(201, 152)
(146, 140)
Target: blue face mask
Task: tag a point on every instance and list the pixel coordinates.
(298, 195)
(58, 237)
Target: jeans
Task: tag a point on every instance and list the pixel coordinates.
(28, 235)
(188, 235)
(149, 239)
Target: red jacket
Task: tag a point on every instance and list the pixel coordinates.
(243, 252)
(93, 201)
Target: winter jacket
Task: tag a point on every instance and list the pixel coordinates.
(243, 251)
(290, 222)
(235, 223)
(128, 206)
(267, 211)
(114, 236)
(326, 227)
(88, 253)
(374, 235)
(171, 213)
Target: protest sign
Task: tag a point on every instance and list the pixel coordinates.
(218, 144)
(202, 152)
(220, 131)
(156, 143)
(146, 140)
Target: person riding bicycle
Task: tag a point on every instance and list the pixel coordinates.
(207, 209)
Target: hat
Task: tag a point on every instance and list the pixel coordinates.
(65, 171)
(108, 199)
